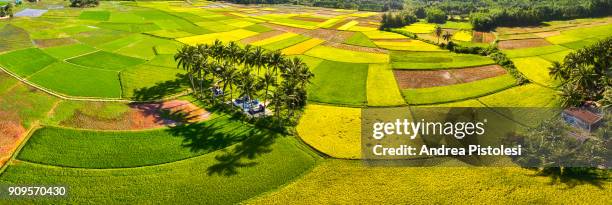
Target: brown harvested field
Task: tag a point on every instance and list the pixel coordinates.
(483, 37)
(285, 28)
(423, 78)
(330, 35)
(355, 48)
(142, 116)
(433, 78)
(341, 23)
(523, 43)
(261, 36)
(45, 43)
(547, 34)
(11, 134)
(305, 18)
(466, 75)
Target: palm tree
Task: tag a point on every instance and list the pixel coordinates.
(268, 80)
(258, 58)
(228, 77)
(557, 71)
(185, 60)
(438, 32)
(447, 37)
(233, 52)
(275, 61)
(570, 96)
(247, 85)
(246, 57)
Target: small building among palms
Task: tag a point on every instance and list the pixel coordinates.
(587, 117)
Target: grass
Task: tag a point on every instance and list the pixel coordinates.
(106, 60)
(457, 25)
(535, 69)
(232, 175)
(359, 39)
(95, 15)
(28, 103)
(558, 56)
(302, 47)
(74, 80)
(341, 55)
(130, 27)
(339, 138)
(412, 45)
(528, 52)
(382, 89)
(148, 47)
(273, 39)
(383, 35)
(162, 81)
(416, 185)
(26, 62)
(419, 28)
(234, 35)
(279, 45)
(597, 32)
(463, 36)
(258, 28)
(457, 92)
(105, 149)
(69, 51)
(339, 83)
(436, 60)
(530, 95)
(13, 38)
(66, 113)
(348, 25)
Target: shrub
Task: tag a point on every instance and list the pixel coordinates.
(435, 15)
(84, 3)
(397, 20)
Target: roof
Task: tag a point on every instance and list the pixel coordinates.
(584, 115)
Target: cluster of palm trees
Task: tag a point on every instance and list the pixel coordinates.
(447, 36)
(219, 70)
(585, 75)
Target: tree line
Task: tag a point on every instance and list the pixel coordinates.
(487, 15)
(364, 5)
(586, 75)
(84, 3)
(220, 72)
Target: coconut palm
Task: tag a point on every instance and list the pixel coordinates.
(570, 96)
(438, 32)
(268, 80)
(229, 78)
(185, 60)
(275, 61)
(246, 57)
(258, 58)
(247, 85)
(447, 37)
(233, 52)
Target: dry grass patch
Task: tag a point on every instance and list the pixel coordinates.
(523, 43)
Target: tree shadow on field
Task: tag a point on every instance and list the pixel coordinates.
(208, 136)
(573, 177)
(243, 154)
(162, 89)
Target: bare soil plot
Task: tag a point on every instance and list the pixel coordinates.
(355, 48)
(288, 29)
(52, 42)
(341, 23)
(467, 75)
(10, 130)
(142, 116)
(261, 36)
(547, 34)
(305, 18)
(483, 37)
(424, 79)
(523, 43)
(329, 35)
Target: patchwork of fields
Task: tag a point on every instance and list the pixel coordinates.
(77, 85)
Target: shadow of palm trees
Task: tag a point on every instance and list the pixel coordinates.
(573, 177)
(162, 89)
(243, 154)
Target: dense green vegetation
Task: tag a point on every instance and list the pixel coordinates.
(585, 74)
(112, 149)
(329, 87)
(486, 15)
(239, 172)
(458, 92)
(367, 5)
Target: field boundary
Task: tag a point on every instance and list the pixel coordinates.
(90, 99)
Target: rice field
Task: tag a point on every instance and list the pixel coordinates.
(124, 50)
